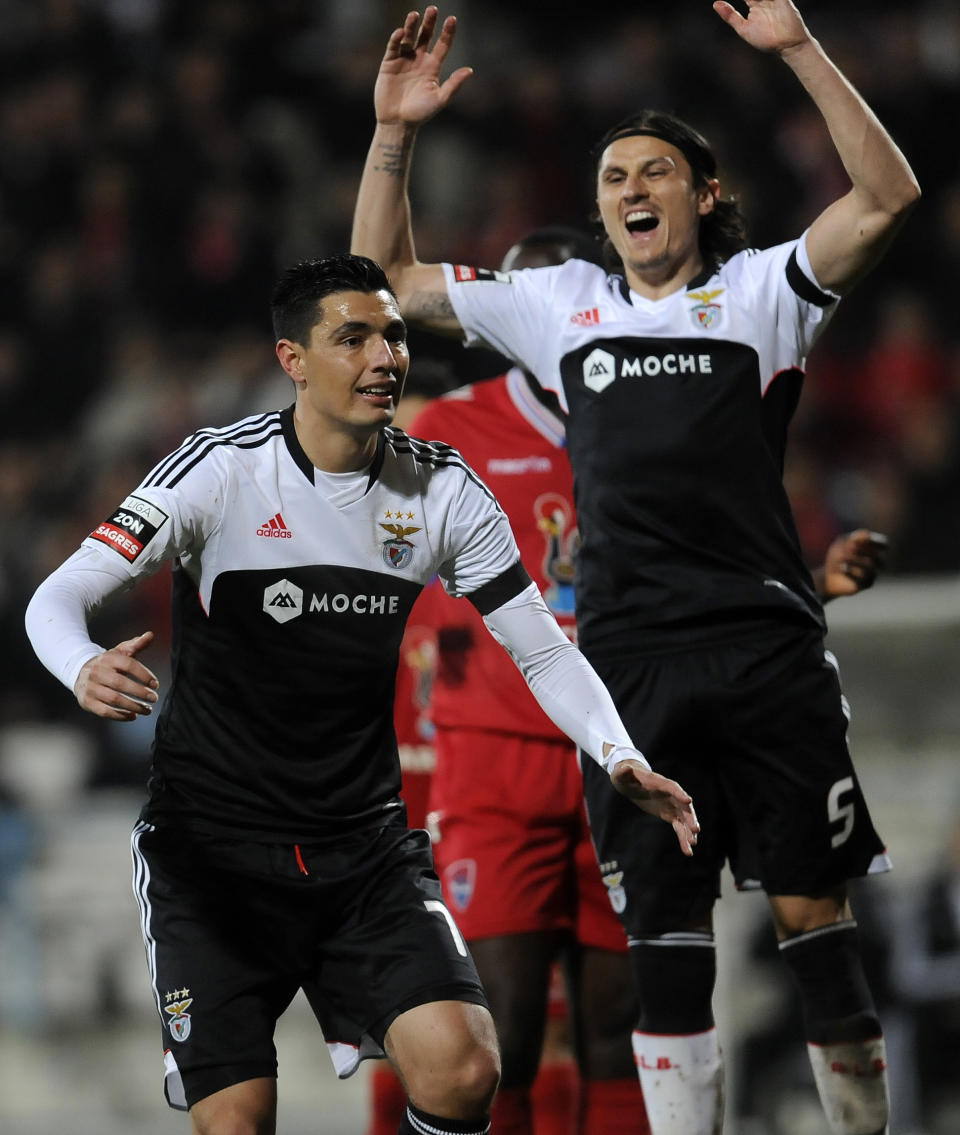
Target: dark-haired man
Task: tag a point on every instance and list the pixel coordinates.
(273, 852)
(512, 846)
(679, 375)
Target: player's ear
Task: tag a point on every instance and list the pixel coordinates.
(708, 195)
(290, 355)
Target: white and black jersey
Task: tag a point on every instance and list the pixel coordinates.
(291, 590)
(677, 417)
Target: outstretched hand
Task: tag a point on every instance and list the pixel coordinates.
(769, 25)
(408, 88)
(115, 685)
(851, 564)
(659, 796)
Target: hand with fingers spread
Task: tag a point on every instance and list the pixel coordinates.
(408, 88)
(659, 796)
(115, 685)
(769, 25)
(851, 564)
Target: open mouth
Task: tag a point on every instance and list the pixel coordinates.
(378, 392)
(641, 221)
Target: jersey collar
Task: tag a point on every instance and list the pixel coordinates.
(539, 407)
(303, 462)
(698, 281)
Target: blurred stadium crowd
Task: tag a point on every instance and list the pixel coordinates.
(161, 160)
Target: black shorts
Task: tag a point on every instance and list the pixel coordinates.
(234, 929)
(755, 730)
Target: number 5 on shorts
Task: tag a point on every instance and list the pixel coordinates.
(840, 813)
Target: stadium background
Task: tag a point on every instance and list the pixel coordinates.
(160, 161)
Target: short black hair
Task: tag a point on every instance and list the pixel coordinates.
(296, 304)
(722, 232)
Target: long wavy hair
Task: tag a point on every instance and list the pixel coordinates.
(722, 231)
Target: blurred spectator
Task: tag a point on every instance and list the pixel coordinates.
(925, 971)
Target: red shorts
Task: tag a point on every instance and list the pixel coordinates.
(511, 841)
(416, 794)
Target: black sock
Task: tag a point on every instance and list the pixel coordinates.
(417, 1122)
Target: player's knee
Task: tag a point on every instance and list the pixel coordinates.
(475, 1080)
(235, 1124)
(462, 1088)
(455, 1071)
(247, 1108)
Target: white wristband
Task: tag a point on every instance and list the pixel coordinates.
(623, 753)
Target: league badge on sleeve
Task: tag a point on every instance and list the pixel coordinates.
(131, 527)
(466, 275)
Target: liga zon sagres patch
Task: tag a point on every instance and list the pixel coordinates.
(131, 527)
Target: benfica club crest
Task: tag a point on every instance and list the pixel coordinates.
(706, 314)
(179, 1021)
(398, 550)
(615, 892)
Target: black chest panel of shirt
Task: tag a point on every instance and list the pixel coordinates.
(678, 465)
(279, 719)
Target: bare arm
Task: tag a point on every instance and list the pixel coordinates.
(408, 93)
(852, 234)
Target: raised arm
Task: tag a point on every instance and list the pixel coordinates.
(407, 94)
(852, 234)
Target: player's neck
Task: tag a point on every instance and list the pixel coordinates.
(656, 281)
(336, 451)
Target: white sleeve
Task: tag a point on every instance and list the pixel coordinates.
(560, 678)
(512, 312)
(478, 543)
(792, 309)
(56, 617)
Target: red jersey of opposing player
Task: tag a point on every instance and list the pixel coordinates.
(512, 847)
(516, 445)
(414, 729)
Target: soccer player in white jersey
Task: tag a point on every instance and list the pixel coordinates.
(679, 373)
(273, 853)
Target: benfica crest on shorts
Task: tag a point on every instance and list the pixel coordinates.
(706, 314)
(615, 892)
(397, 552)
(179, 1021)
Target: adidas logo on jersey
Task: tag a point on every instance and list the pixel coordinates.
(586, 318)
(275, 528)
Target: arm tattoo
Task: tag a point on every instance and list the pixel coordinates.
(430, 305)
(393, 159)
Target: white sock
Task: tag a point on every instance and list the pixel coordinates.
(682, 1081)
(852, 1082)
